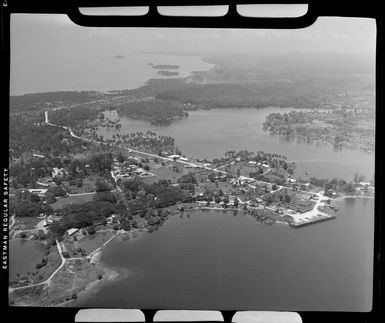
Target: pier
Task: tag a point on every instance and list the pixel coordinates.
(313, 220)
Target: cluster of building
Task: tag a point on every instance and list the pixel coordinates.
(126, 170)
(178, 157)
(365, 186)
(263, 165)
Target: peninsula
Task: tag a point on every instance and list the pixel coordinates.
(167, 73)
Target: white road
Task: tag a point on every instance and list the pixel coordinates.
(132, 150)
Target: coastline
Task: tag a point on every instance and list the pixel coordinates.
(144, 82)
(95, 274)
(110, 274)
(353, 197)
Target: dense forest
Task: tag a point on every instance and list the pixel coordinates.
(86, 214)
(25, 136)
(36, 101)
(73, 117)
(342, 128)
(256, 95)
(155, 111)
(167, 73)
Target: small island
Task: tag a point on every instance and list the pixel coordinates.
(166, 66)
(167, 73)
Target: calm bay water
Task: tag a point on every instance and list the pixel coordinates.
(93, 71)
(212, 260)
(210, 133)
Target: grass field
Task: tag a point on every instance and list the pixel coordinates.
(78, 199)
(91, 242)
(27, 223)
(164, 172)
(88, 185)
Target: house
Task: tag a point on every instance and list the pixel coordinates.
(71, 231)
(51, 219)
(174, 156)
(112, 219)
(251, 162)
(45, 181)
(38, 191)
(58, 172)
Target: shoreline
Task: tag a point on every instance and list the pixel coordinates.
(95, 268)
(113, 274)
(353, 197)
(110, 273)
(143, 84)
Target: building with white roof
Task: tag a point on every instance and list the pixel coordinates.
(58, 172)
(71, 231)
(174, 156)
(38, 191)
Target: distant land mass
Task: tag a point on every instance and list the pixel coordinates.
(167, 73)
(119, 56)
(165, 66)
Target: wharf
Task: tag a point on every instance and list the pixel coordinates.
(313, 220)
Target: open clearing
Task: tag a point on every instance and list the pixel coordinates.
(78, 199)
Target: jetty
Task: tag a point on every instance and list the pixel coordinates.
(313, 220)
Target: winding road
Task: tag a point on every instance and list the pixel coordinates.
(279, 187)
(134, 150)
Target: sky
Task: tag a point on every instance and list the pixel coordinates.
(46, 33)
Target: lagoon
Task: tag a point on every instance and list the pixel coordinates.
(24, 256)
(223, 260)
(210, 133)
